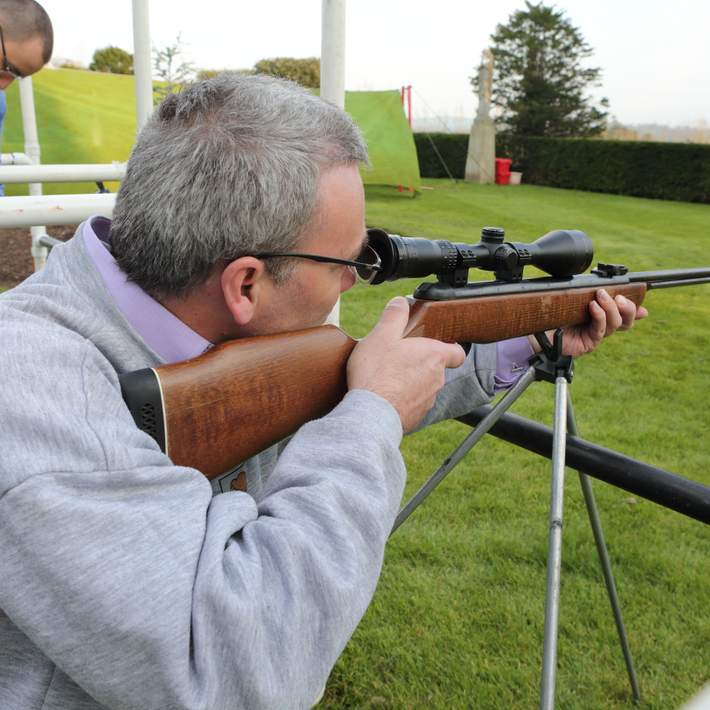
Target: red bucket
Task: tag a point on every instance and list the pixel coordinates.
(503, 171)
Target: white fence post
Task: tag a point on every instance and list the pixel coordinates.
(29, 128)
(332, 72)
(142, 65)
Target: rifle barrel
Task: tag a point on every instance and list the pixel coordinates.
(671, 284)
(671, 277)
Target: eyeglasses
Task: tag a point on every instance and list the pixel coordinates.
(8, 68)
(366, 266)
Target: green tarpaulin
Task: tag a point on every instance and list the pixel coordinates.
(393, 156)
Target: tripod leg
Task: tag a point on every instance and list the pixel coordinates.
(554, 553)
(595, 522)
(483, 427)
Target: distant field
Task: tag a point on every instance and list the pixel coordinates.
(458, 617)
(89, 117)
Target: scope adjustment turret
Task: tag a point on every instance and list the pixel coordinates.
(493, 235)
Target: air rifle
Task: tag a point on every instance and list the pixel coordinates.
(215, 411)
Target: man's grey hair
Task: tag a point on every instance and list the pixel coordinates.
(226, 168)
(26, 19)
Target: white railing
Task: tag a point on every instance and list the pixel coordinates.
(88, 172)
(53, 209)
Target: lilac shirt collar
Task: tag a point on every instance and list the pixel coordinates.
(166, 334)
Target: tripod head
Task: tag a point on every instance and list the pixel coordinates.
(561, 254)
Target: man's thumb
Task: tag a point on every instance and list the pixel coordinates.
(394, 318)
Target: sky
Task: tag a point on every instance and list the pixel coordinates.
(653, 54)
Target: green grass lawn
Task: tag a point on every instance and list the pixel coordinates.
(457, 620)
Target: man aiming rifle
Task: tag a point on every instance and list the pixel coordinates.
(126, 582)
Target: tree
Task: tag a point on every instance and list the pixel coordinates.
(539, 77)
(305, 72)
(113, 60)
(171, 70)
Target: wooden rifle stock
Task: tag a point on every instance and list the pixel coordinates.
(213, 412)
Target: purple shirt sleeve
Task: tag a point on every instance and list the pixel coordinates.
(513, 356)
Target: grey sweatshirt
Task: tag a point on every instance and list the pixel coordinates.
(124, 582)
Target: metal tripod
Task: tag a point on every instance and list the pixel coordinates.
(549, 365)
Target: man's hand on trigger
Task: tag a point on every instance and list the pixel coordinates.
(407, 372)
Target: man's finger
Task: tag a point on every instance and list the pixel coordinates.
(454, 355)
(439, 353)
(611, 308)
(629, 312)
(394, 318)
(596, 329)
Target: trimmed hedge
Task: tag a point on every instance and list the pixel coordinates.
(669, 171)
(452, 147)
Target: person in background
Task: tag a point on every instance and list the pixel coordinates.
(26, 39)
(26, 42)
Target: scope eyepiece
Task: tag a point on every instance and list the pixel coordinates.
(561, 254)
(410, 257)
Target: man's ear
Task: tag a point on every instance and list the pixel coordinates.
(244, 283)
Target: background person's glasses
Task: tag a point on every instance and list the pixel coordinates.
(366, 266)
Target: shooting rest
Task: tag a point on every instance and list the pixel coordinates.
(551, 366)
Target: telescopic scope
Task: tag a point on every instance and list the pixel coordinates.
(562, 253)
